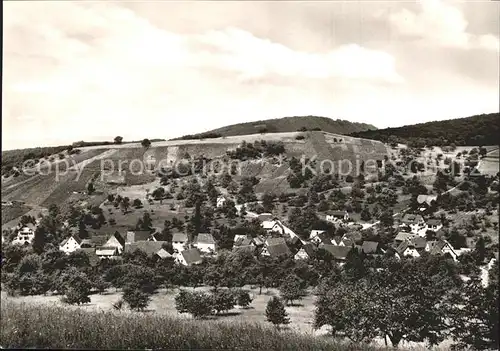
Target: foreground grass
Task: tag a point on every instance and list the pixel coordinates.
(28, 326)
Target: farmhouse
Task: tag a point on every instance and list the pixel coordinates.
(338, 252)
(151, 248)
(441, 247)
(179, 241)
(188, 257)
(205, 243)
(70, 244)
(273, 226)
(403, 236)
(407, 249)
(117, 241)
(415, 222)
(434, 224)
(107, 252)
(221, 200)
(25, 235)
(306, 251)
(337, 216)
(139, 235)
(276, 251)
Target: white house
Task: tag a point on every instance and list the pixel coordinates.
(25, 235)
(106, 252)
(305, 252)
(205, 243)
(441, 247)
(179, 241)
(433, 224)
(221, 200)
(416, 223)
(406, 249)
(117, 241)
(70, 244)
(273, 226)
(337, 216)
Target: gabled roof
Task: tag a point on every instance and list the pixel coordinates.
(310, 249)
(243, 242)
(404, 236)
(179, 237)
(118, 237)
(149, 247)
(162, 253)
(278, 250)
(338, 252)
(369, 247)
(191, 256)
(139, 235)
(75, 237)
(315, 233)
(271, 224)
(275, 241)
(247, 248)
(205, 238)
(259, 241)
(418, 242)
(410, 218)
(239, 236)
(438, 246)
(434, 221)
(402, 247)
(98, 240)
(337, 239)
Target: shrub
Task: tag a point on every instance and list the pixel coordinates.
(223, 300)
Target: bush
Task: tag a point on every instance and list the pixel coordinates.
(223, 300)
(243, 298)
(198, 304)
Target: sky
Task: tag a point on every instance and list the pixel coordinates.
(90, 70)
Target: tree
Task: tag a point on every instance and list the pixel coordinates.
(276, 313)
(475, 321)
(137, 203)
(267, 202)
(40, 239)
(243, 298)
(118, 139)
(76, 287)
(146, 143)
(292, 289)
(135, 297)
(197, 303)
(223, 300)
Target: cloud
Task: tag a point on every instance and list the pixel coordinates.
(440, 23)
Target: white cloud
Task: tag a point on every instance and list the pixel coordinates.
(441, 23)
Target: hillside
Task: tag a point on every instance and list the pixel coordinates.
(286, 124)
(469, 131)
(44, 189)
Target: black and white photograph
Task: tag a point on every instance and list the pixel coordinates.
(250, 175)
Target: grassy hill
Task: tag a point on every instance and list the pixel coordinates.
(471, 131)
(286, 124)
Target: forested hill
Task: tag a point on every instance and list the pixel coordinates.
(286, 124)
(475, 130)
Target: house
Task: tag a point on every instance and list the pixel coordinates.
(25, 235)
(205, 243)
(337, 216)
(426, 201)
(419, 243)
(70, 244)
(107, 252)
(245, 248)
(188, 257)
(162, 254)
(314, 233)
(338, 252)
(116, 240)
(149, 247)
(277, 250)
(369, 247)
(321, 237)
(434, 224)
(244, 242)
(414, 222)
(221, 200)
(259, 241)
(337, 240)
(139, 235)
(407, 249)
(441, 247)
(275, 241)
(308, 250)
(273, 226)
(239, 237)
(403, 236)
(179, 241)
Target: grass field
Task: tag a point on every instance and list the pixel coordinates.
(28, 326)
